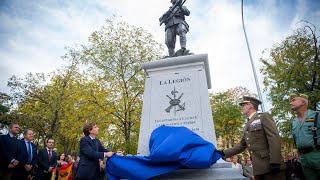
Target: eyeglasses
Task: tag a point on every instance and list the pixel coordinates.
(294, 95)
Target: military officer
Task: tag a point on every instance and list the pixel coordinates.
(261, 137)
(306, 134)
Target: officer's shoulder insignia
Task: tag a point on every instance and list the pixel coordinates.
(309, 119)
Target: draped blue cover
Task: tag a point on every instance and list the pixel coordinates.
(171, 148)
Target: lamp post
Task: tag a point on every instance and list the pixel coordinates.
(252, 64)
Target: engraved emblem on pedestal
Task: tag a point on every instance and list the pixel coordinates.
(174, 102)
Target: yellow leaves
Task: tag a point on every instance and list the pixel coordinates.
(226, 113)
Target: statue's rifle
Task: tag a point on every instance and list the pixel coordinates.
(172, 9)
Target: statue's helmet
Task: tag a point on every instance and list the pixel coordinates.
(173, 1)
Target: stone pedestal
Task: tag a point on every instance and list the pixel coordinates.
(213, 173)
(176, 94)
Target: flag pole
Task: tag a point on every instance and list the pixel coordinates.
(252, 64)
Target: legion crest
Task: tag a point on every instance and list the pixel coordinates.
(175, 102)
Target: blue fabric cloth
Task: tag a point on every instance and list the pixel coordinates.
(171, 148)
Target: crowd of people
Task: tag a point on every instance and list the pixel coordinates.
(20, 159)
(244, 167)
(293, 169)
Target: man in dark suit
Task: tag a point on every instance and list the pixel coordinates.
(47, 160)
(91, 151)
(9, 153)
(261, 137)
(28, 155)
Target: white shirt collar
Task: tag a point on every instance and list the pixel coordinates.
(92, 137)
(11, 135)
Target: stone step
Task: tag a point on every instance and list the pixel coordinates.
(212, 173)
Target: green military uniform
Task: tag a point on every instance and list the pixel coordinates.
(310, 152)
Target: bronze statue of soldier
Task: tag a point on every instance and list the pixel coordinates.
(175, 24)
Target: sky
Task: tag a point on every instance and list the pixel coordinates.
(34, 33)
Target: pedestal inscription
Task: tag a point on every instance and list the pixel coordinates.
(176, 94)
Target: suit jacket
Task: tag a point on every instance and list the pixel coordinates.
(43, 163)
(9, 150)
(261, 137)
(90, 153)
(24, 159)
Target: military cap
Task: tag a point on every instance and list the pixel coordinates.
(248, 99)
(294, 95)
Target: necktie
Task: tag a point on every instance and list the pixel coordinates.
(29, 152)
(49, 155)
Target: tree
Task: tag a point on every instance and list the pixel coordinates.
(4, 109)
(293, 65)
(114, 55)
(57, 105)
(227, 116)
(108, 91)
(40, 105)
(3, 99)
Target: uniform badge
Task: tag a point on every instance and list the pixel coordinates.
(309, 119)
(255, 123)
